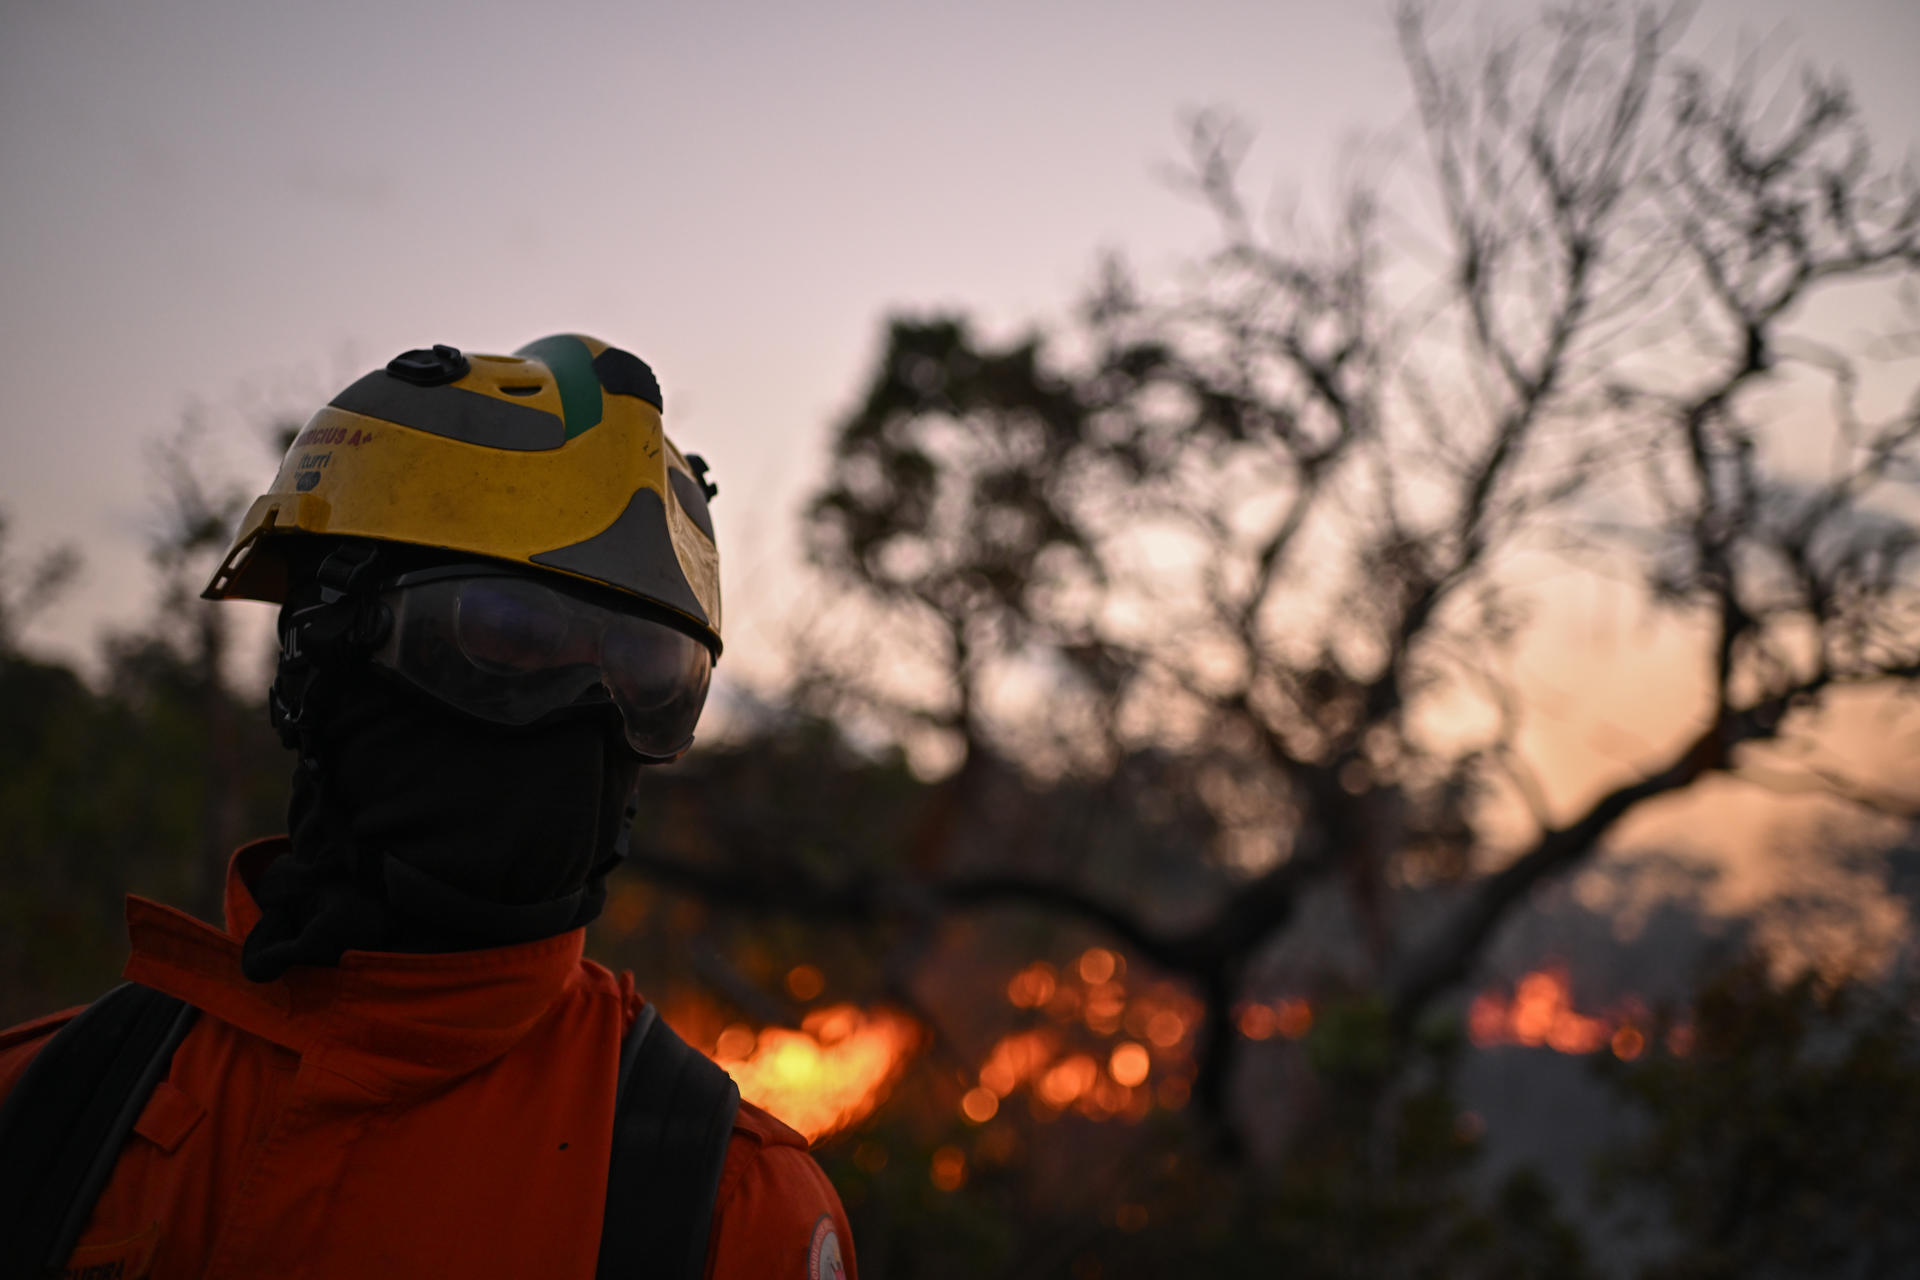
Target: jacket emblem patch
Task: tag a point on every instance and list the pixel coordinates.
(823, 1255)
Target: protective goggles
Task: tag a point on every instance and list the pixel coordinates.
(513, 651)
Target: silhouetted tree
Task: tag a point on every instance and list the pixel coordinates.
(143, 781)
(1268, 545)
(26, 590)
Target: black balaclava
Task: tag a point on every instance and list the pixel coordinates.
(416, 828)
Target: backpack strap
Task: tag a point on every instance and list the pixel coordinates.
(672, 1121)
(62, 1127)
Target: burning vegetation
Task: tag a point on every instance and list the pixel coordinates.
(1539, 1013)
(829, 1074)
(1093, 1044)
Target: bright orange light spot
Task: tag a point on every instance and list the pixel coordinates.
(1098, 965)
(1166, 1028)
(1032, 987)
(949, 1168)
(829, 1074)
(1017, 1058)
(1537, 1001)
(804, 982)
(1065, 1081)
(1000, 1077)
(979, 1104)
(1257, 1022)
(1129, 1064)
(1541, 1014)
(1576, 1033)
(735, 1042)
(1105, 1004)
(1293, 1018)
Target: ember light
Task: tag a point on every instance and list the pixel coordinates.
(1541, 1014)
(1095, 1044)
(1097, 965)
(1129, 1064)
(1061, 1062)
(835, 1070)
(829, 1074)
(980, 1104)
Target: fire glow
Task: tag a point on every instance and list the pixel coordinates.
(1105, 1050)
(1540, 1014)
(1099, 1048)
(828, 1075)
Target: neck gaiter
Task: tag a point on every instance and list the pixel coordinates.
(417, 829)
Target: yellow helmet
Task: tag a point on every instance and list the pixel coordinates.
(553, 457)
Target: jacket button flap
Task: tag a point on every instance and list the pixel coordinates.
(169, 1117)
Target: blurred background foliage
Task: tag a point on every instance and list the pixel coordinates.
(1150, 862)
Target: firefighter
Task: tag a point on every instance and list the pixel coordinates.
(499, 601)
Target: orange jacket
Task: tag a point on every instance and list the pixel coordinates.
(402, 1115)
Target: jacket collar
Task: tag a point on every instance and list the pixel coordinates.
(393, 1023)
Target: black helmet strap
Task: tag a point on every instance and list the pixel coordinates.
(347, 623)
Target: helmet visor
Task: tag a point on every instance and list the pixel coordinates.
(513, 651)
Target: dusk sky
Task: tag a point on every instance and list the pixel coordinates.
(232, 209)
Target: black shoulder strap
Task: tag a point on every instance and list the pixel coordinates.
(62, 1127)
(672, 1120)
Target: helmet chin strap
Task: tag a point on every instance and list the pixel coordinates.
(621, 769)
(345, 625)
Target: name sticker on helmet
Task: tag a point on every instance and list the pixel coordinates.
(315, 437)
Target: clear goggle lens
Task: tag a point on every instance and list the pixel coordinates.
(515, 652)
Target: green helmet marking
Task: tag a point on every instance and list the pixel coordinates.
(572, 365)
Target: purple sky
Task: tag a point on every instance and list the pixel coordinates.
(234, 208)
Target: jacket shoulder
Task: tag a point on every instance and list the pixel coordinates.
(777, 1215)
(764, 1129)
(19, 1045)
(39, 1028)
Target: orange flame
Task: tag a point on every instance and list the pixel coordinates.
(1017, 1059)
(1033, 986)
(829, 1074)
(1541, 1014)
(1146, 1031)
